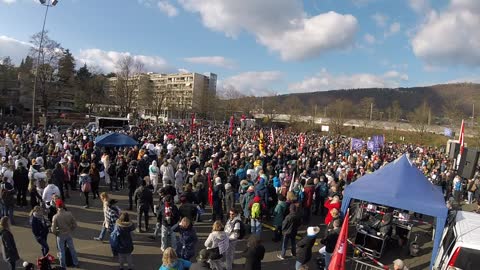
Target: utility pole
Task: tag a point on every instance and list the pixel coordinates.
(371, 111)
(473, 114)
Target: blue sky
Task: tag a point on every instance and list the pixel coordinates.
(265, 47)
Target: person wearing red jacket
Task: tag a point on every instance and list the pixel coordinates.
(308, 192)
(330, 204)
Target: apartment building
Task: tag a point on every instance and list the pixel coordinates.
(166, 95)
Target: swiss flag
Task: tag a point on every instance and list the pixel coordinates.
(340, 252)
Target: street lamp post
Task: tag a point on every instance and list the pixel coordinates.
(47, 4)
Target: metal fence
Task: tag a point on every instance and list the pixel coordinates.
(361, 265)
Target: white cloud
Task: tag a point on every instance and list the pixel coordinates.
(324, 81)
(280, 25)
(167, 8)
(257, 83)
(369, 38)
(218, 61)
(183, 70)
(450, 37)
(107, 60)
(15, 49)
(380, 19)
(420, 6)
(393, 29)
(8, 1)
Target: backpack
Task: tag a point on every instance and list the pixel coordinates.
(256, 210)
(323, 190)
(243, 230)
(115, 241)
(458, 186)
(86, 187)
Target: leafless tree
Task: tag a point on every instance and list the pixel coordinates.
(128, 80)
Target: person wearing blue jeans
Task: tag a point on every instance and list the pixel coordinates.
(63, 224)
(256, 227)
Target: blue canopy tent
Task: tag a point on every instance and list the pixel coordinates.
(114, 140)
(401, 185)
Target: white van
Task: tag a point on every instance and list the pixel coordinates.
(460, 246)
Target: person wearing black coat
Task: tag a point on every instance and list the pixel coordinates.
(8, 247)
(58, 177)
(132, 180)
(290, 226)
(254, 254)
(305, 246)
(40, 228)
(144, 201)
(330, 241)
(20, 180)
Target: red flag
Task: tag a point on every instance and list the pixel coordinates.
(230, 130)
(340, 252)
(272, 139)
(210, 189)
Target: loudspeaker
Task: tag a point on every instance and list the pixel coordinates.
(468, 163)
(454, 150)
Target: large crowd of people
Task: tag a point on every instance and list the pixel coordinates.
(238, 183)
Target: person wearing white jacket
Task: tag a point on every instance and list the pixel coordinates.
(49, 191)
(153, 174)
(217, 239)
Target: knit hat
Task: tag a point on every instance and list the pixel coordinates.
(218, 181)
(251, 188)
(59, 203)
(312, 231)
(228, 186)
(399, 263)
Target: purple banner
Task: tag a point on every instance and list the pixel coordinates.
(357, 144)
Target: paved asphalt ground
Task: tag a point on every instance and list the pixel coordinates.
(97, 255)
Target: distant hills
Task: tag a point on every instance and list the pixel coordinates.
(438, 97)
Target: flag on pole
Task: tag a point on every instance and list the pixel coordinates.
(261, 143)
(272, 139)
(210, 188)
(356, 144)
(292, 182)
(230, 130)
(339, 255)
(461, 141)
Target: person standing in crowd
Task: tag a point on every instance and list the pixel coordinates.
(104, 199)
(122, 168)
(229, 196)
(217, 244)
(202, 261)
(112, 174)
(20, 180)
(257, 210)
(95, 178)
(187, 209)
(7, 199)
(180, 176)
(40, 228)
(330, 241)
(331, 203)
(278, 217)
(144, 201)
(63, 224)
(457, 189)
(218, 195)
(85, 183)
(132, 181)
(58, 179)
(168, 216)
(171, 261)
(290, 226)
(254, 254)
(7, 242)
(308, 191)
(187, 239)
(321, 193)
(121, 240)
(233, 228)
(153, 171)
(305, 246)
